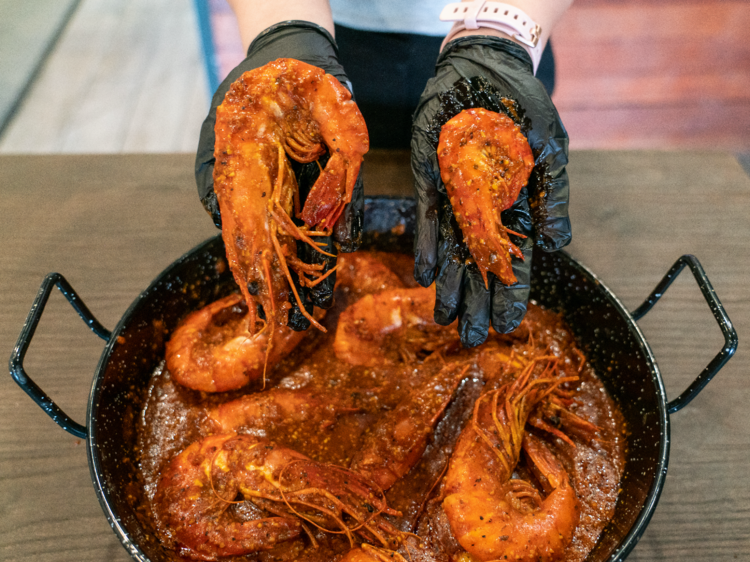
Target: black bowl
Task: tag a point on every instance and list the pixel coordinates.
(604, 329)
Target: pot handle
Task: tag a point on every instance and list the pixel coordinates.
(730, 334)
(24, 339)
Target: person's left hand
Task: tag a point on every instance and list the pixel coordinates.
(495, 74)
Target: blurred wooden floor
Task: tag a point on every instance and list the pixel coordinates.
(644, 74)
(127, 76)
(28, 30)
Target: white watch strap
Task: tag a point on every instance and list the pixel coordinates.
(495, 15)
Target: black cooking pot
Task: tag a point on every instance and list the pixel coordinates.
(604, 329)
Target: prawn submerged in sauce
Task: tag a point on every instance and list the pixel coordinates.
(491, 514)
(401, 426)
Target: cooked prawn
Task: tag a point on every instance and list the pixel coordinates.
(492, 515)
(199, 489)
(213, 351)
(196, 493)
(485, 161)
(360, 274)
(405, 316)
(286, 107)
(398, 440)
(278, 407)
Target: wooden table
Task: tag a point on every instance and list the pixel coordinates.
(110, 224)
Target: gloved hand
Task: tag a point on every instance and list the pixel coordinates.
(496, 74)
(312, 44)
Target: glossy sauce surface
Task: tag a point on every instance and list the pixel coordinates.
(326, 409)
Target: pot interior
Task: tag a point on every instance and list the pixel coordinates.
(604, 330)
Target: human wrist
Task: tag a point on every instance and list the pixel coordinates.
(294, 35)
(254, 16)
(545, 13)
(478, 32)
(527, 23)
(485, 51)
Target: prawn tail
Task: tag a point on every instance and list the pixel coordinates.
(561, 504)
(331, 192)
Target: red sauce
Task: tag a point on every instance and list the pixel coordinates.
(335, 427)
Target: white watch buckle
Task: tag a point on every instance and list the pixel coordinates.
(496, 15)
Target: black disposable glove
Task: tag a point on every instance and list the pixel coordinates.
(312, 44)
(495, 74)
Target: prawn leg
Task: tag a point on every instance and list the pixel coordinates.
(194, 502)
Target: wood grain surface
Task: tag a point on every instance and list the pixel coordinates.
(126, 76)
(110, 224)
(667, 74)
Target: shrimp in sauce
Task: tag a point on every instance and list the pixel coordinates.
(201, 484)
(492, 515)
(399, 315)
(509, 449)
(212, 351)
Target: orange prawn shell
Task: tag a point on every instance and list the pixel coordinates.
(286, 102)
(204, 356)
(484, 161)
(480, 495)
(284, 108)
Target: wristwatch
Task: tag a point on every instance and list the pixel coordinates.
(495, 15)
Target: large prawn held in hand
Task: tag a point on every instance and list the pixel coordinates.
(285, 108)
(485, 161)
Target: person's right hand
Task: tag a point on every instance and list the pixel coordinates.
(312, 44)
